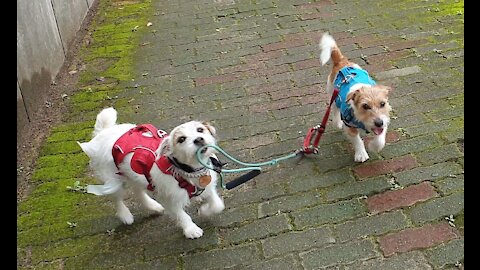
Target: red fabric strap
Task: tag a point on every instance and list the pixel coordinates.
(317, 131)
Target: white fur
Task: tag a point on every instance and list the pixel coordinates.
(327, 43)
(105, 119)
(378, 141)
(171, 198)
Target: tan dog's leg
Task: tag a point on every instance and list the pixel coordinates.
(354, 136)
(337, 120)
(378, 142)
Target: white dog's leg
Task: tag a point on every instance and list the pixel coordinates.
(378, 142)
(354, 136)
(190, 229)
(123, 213)
(147, 201)
(213, 205)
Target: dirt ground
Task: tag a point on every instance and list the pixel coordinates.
(46, 117)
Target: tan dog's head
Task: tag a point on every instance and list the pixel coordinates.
(184, 141)
(370, 106)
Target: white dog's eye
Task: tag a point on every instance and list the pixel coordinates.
(382, 104)
(200, 130)
(181, 139)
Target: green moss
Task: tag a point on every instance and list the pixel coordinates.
(427, 12)
(55, 265)
(57, 200)
(458, 123)
(89, 106)
(60, 185)
(91, 96)
(73, 127)
(67, 248)
(80, 135)
(96, 88)
(60, 148)
(457, 100)
(44, 234)
(449, 8)
(42, 217)
(55, 173)
(62, 160)
(117, 50)
(459, 220)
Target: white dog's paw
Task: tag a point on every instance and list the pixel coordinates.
(193, 231)
(207, 210)
(361, 156)
(156, 207)
(125, 216)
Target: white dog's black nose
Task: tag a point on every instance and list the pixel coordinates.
(378, 122)
(199, 141)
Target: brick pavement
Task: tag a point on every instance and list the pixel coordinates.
(252, 69)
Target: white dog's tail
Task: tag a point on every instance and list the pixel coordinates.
(329, 49)
(105, 119)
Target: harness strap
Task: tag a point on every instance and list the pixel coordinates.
(165, 165)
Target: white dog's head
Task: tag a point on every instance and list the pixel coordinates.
(184, 141)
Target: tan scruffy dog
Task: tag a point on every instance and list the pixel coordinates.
(361, 103)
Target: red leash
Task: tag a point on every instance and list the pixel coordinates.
(316, 132)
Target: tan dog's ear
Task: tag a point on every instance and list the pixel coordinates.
(387, 88)
(352, 95)
(210, 128)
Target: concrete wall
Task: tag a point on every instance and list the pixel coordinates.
(45, 31)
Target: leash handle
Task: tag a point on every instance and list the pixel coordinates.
(242, 179)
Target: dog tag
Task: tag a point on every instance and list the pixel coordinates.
(205, 180)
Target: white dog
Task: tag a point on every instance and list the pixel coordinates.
(147, 158)
(360, 104)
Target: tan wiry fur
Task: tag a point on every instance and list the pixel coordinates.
(369, 102)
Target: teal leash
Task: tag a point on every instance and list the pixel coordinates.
(254, 168)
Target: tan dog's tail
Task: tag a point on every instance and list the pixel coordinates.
(329, 49)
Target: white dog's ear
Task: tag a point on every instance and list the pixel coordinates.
(210, 128)
(164, 148)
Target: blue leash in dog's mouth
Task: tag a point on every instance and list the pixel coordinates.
(254, 168)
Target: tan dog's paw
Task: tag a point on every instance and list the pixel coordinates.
(361, 156)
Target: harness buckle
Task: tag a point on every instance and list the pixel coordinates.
(308, 147)
(161, 133)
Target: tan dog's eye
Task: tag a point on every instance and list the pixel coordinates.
(181, 139)
(366, 107)
(200, 130)
(382, 104)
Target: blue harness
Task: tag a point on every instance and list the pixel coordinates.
(347, 77)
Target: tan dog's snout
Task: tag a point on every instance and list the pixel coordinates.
(378, 122)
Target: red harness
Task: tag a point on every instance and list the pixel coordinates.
(143, 148)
